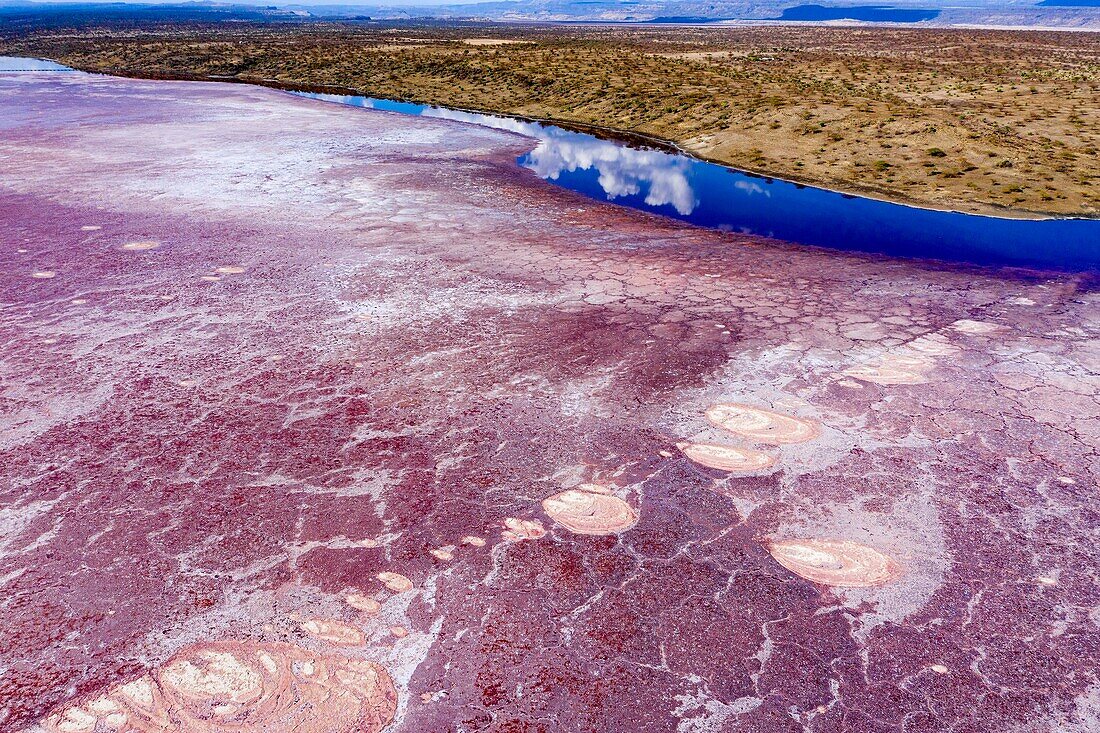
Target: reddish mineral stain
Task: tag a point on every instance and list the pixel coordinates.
(727, 458)
(763, 426)
(396, 582)
(835, 562)
(242, 686)
(334, 632)
(590, 509)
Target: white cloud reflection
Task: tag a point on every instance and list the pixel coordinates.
(622, 171)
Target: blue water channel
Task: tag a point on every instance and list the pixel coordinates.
(711, 195)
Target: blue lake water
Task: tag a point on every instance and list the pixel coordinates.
(867, 13)
(16, 63)
(718, 197)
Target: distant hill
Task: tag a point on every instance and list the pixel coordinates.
(1021, 13)
(1070, 14)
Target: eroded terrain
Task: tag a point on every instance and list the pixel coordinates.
(321, 419)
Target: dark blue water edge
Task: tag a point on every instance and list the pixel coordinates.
(866, 13)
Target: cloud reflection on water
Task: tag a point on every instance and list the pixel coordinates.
(622, 171)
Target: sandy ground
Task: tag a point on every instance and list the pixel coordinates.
(326, 419)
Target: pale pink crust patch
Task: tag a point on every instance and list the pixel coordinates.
(334, 632)
(590, 509)
(43, 275)
(141, 246)
(442, 553)
(210, 278)
(244, 687)
(473, 541)
(835, 562)
(933, 344)
(399, 632)
(891, 369)
(230, 269)
(886, 375)
(363, 603)
(396, 582)
(727, 458)
(762, 426)
(90, 228)
(517, 530)
(967, 326)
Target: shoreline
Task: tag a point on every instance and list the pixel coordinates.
(634, 139)
(627, 137)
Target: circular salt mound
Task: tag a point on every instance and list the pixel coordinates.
(140, 246)
(244, 686)
(835, 562)
(334, 632)
(590, 509)
(396, 582)
(727, 458)
(517, 530)
(363, 603)
(762, 426)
